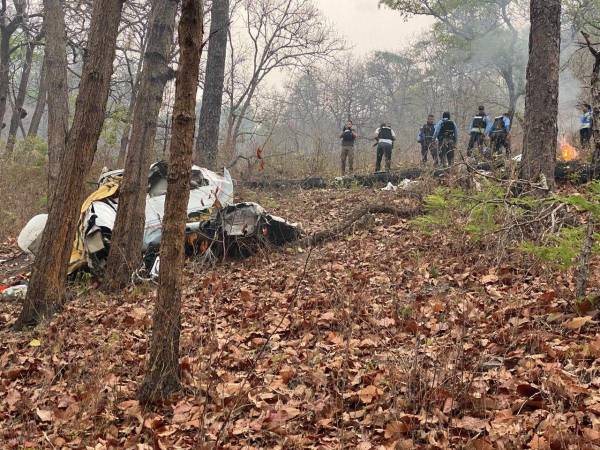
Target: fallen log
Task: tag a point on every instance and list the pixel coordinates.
(574, 172)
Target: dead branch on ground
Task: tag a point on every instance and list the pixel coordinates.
(342, 228)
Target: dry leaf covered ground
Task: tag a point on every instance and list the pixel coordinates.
(386, 338)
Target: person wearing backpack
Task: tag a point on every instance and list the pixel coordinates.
(446, 135)
(348, 138)
(499, 134)
(479, 125)
(425, 138)
(586, 127)
(385, 137)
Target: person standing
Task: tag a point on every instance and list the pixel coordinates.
(425, 138)
(479, 125)
(348, 138)
(499, 134)
(586, 127)
(446, 135)
(385, 137)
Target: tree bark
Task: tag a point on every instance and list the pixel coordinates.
(17, 112)
(135, 84)
(162, 376)
(541, 102)
(124, 144)
(55, 80)
(40, 104)
(47, 283)
(207, 142)
(127, 239)
(5, 35)
(595, 92)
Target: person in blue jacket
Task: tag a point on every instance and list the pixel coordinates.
(586, 127)
(446, 134)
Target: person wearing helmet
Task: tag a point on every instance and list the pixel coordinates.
(446, 135)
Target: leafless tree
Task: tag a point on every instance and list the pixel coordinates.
(207, 142)
(541, 103)
(126, 246)
(162, 375)
(283, 34)
(55, 62)
(47, 283)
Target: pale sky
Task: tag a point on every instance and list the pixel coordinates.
(367, 27)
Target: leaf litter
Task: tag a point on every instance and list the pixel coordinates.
(390, 339)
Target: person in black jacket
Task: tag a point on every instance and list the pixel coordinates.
(385, 137)
(480, 125)
(425, 138)
(446, 135)
(348, 138)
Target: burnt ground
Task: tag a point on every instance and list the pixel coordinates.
(384, 338)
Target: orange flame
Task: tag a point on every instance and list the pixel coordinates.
(567, 151)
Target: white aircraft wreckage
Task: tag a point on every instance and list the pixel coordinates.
(217, 227)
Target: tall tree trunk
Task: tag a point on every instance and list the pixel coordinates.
(5, 36)
(595, 93)
(541, 102)
(207, 142)
(127, 130)
(18, 112)
(126, 244)
(162, 376)
(55, 81)
(135, 84)
(40, 104)
(47, 283)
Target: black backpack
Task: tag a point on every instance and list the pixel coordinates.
(347, 135)
(499, 124)
(479, 122)
(447, 129)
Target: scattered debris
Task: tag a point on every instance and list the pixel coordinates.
(234, 231)
(209, 208)
(13, 292)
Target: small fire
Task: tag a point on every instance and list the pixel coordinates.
(567, 151)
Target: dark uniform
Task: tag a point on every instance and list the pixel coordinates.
(447, 137)
(478, 127)
(427, 142)
(499, 135)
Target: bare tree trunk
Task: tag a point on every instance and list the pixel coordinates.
(47, 283)
(595, 91)
(126, 244)
(55, 80)
(135, 84)
(127, 131)
(5, 36)
(40, 104)
(18, 112)
(7, 29)
(162, 376)
(541, 103)
(207, 142)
